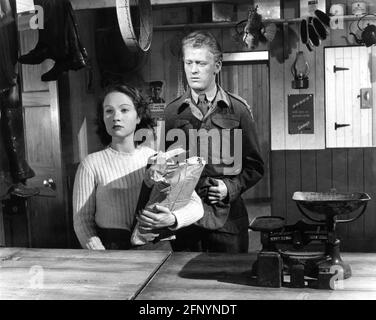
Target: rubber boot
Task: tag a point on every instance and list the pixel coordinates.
(75, 55)
(13, 135)
(51, 43)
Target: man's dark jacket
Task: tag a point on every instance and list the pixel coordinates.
(228, 112)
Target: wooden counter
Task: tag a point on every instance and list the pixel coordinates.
(148, 275)
(227, 277)
(75, 274)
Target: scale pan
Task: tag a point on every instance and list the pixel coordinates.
(331, 203)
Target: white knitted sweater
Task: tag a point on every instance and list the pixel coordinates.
(106, 190)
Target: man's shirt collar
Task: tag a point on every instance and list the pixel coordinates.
(220, 99)
(210, 95)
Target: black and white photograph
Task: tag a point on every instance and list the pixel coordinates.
(188, 156)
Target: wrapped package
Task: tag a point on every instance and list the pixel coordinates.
(172, 184)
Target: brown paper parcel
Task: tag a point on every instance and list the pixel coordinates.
(172, 185)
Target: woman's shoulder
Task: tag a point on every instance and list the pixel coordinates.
(94, 158)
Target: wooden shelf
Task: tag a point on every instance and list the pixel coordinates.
(97, 4)
(208, 25)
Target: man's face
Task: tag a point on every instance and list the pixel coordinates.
(156, 91)
(200, 67)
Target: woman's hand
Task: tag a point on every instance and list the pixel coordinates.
(150, 220)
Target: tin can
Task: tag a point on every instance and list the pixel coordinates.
(359, 8)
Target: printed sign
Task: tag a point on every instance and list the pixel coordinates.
(300, 114)
(156, 100)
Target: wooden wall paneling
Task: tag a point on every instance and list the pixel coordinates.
(330, 98)
(293, 184)
(373, 86)
(340, 180)
(324, 170)
(293, 141)
(356, 184)
(339, 98)
(235, 79)
(79, 108)
(310, 139)
(157, 71)
(261, 102)
(225, 74)
(277, 109)
(265, 128)
(2, 229)
(278, 183)
(157, 62)
(16, 230)
(365, 114)
(355, 76)
(370, 188)
(347, 102)
(170, 66)
(308, 170)
(319, 93)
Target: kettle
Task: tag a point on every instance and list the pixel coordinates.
(368, 35)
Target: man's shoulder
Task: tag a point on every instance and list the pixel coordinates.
(239, 102)
(176, 102)
(173, 106)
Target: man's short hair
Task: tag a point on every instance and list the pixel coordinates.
(198, 39)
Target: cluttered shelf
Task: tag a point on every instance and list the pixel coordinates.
(231, 24)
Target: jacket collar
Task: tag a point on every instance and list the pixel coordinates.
(221, 99)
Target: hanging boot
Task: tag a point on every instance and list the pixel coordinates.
(77, 53)
(50, 41)
(37, 55)
(13, 133)
(41, 51)
(54, 73)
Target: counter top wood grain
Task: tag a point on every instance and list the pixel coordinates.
(197, 276)
(75, 274)
(147, 275)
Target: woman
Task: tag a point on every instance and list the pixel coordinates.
(108, 182)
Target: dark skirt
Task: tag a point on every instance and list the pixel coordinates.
(119, 239)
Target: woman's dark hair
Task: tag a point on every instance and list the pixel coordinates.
(141, 106)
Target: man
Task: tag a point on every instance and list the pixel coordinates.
(205, 105)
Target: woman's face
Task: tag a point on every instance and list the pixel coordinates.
(119, 115)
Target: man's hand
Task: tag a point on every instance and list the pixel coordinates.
(217, 193)
(150, 220)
